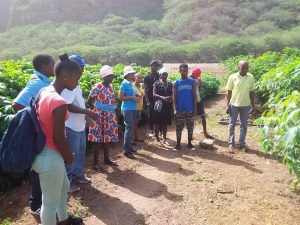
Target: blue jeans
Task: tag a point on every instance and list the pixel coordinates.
(129, 121)
(55, 185)
(77, 144)
(234, 112)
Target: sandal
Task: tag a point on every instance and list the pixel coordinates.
(209, 136)
(111, 162)
(98, 168)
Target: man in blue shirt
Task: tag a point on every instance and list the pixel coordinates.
(43, 65)
(185, 106)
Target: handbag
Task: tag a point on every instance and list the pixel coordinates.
(158, 105)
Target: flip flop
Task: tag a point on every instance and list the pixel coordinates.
(209, 136)
(111, 163)
(98, 168)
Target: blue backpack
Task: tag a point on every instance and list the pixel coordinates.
(22, 140)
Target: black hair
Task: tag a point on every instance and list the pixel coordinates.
(183, 66)
(40, 60)
(66, 64)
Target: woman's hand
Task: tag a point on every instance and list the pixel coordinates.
(68, 157)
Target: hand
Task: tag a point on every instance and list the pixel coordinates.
(253, 110)
(135, 98)
(69, 157)
(169, 99)
(175, 112)
(148, 103)
(92, 114)
(228, 109)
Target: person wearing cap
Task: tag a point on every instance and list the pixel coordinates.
(102, 100)
(129, 99)
(149, 81)
(138, 79)
(196, 75)
(162, 91)
(75, 130)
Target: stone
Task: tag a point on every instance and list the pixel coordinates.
(207, 143)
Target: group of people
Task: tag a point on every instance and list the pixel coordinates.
(63, 115)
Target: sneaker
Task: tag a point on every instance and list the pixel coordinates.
(191, 147)
(243, 148)
(36, 212)
(231, 148)
(73, 187)
(84, 180)
(177, 148)
(75, 220)
(151, 134)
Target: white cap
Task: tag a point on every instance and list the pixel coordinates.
(127, 70)
(163, 70)
(105, 71)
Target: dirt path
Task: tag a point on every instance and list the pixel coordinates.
(205, 187)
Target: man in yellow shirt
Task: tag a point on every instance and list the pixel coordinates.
(240, 101)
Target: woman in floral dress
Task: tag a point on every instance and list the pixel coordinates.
(104, 130)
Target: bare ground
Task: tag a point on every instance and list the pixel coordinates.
(205, 187)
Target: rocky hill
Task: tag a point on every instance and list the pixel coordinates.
(22, 12)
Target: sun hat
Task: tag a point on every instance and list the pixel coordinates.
(163, 70)
(155, 63)
(196, 72)
(78, 59)
(105, 71)
(128, 70)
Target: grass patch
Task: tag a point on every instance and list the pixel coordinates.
(200, 178)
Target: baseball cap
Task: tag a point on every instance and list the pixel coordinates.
(105, 71)
(163, 70)
(155, 63)
(196, 71)
(78, 59)
(127, 70)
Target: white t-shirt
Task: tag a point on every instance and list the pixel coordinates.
(76, 121)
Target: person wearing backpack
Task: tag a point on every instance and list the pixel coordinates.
(43, 66)
(75, 127)
(52, 112)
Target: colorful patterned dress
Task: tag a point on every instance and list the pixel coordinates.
(105, 128)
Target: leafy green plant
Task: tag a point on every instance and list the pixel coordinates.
(280, 134)
(5, 222)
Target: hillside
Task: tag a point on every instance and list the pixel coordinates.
(138, 30)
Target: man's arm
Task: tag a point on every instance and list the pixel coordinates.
(75, 109)
(146, 92)
(174, 98)
(252, 98)
(17, 107)
(229, 94)
(195, 98)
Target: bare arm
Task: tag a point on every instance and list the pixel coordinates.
(75, 109)
(195, 98)
(59, 115)
(146, 93)
(156, 96)
(252, 98)
(229, 94)
(122, 97)
(17, 106)
(174, 98)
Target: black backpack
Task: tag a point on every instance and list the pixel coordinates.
(22, 140)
